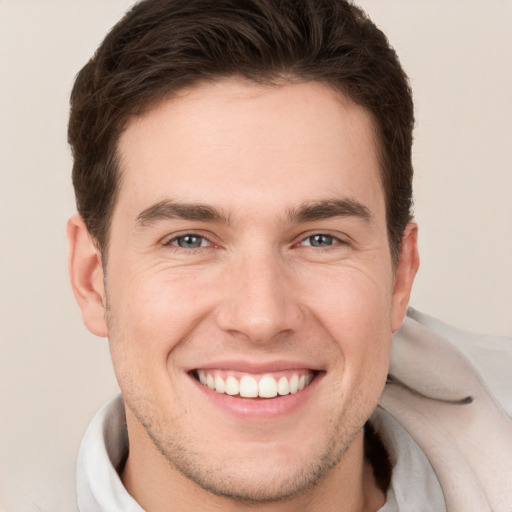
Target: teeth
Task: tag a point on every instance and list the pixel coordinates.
(232, 386)
(267, 387)
(220, 385)
(283, 386)
(249, 387)
(294, 384)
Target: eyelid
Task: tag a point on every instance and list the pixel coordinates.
(168, 239)
(340, 238)
(203, 242)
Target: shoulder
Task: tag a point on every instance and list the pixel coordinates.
(490, 355)
(448, 389)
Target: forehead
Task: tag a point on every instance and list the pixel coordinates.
(233, 143)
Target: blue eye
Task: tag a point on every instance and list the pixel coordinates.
(189, 241)
(319, 240)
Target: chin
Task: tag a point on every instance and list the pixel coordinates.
(259, 472)
(262, 481)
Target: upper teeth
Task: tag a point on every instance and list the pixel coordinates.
(249, 387)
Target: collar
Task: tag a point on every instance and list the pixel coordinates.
(104, 449)
(438, 396)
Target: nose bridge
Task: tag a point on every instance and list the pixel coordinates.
(258, 301)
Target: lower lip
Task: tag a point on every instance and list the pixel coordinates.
(259, 408)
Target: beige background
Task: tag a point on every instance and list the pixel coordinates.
(54, 375)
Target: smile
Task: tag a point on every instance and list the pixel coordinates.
(252, 386)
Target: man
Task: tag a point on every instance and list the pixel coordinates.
(245, 240)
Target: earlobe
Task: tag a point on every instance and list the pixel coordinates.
(86, 275)
(406, 268)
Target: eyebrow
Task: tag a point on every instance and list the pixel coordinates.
(310, 211)
(318, 210)
(169, 209)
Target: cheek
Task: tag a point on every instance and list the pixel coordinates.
(355, 307)
(149, 317)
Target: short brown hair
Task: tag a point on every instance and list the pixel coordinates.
(161, 46)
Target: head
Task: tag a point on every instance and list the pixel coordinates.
(243, 179)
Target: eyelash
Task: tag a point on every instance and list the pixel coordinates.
(336, 241)
(189, 234)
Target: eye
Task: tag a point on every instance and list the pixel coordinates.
(320, 240)
(189, 241)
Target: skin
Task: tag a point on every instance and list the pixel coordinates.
(255, 292)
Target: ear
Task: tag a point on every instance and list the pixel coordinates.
(406, 268)
(86, 275)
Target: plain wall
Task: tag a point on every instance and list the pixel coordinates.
(54, 375)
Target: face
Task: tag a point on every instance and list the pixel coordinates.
(250, 292)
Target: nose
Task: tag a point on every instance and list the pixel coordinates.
(259, 302)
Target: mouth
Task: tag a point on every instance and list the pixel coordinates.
(248, 385)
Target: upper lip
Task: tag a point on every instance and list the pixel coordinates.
(256, 367)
